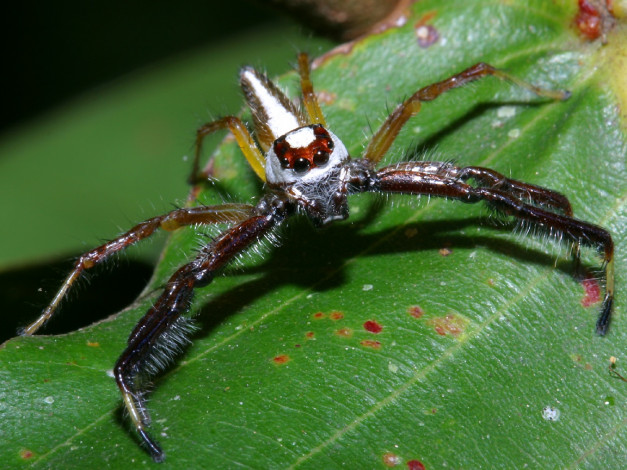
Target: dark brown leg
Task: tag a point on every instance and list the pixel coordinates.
(383, 138)
(487, 178)
(164, 314)
(447, 183)
(524, 191)
(225, 213)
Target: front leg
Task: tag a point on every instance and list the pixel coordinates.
(150, 336)
(245, 141)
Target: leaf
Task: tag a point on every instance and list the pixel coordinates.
(483, 336)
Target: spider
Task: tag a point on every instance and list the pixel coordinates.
(307, 169)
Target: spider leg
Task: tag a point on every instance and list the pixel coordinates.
(175, 300)
(309, 96)
(225, 213)
(383, 138)
(245, 141)
(446, 180)
(537, 195)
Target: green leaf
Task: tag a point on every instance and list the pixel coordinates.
(483, 330)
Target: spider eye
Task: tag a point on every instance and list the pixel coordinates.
(301, 165)
(321, 158)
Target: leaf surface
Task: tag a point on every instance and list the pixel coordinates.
(483, 337)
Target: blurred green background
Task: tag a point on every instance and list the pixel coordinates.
(100, 106)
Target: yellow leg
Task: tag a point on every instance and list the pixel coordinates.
(385, 136)
(309, 96)
(245, 141)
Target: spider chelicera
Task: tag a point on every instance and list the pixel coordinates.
(307, 169)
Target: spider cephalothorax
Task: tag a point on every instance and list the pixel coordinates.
(307, 169)
(309, 163)
(308, 151)
(303, 159)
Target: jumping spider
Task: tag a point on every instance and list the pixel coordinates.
(307, 169)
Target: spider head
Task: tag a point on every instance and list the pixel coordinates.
(307, 154)
(309, 163)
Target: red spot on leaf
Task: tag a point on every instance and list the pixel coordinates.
(415, 311)
(370, 343)
(95, 344)
(345, 332)
(26, 454)
(592, 292)
(373, 327)
(451, 324)
(310, 335)
(319, 315)
(415, 465)
(391, 460)
(281, 359)
(594, 18)
(336, 316)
